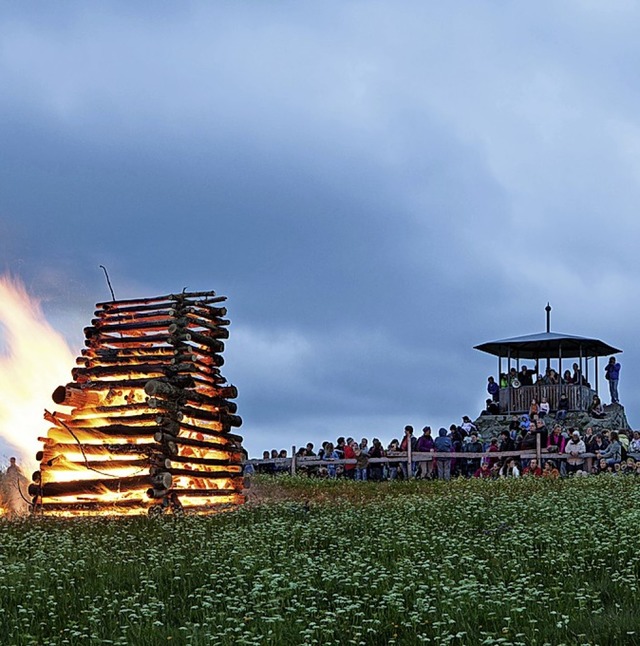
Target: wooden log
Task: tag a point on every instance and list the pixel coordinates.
(106, 328)
(117, 430)
(165, 406)
(97, 486)
(208, 475)
(167, 425)
(144, 415)
(220, 432)
(162, 480)
(129, 341)
(141, 329)
(204, 400)
(222, 417)
(157, 315)
(185, 381)
(185, 441)
(82, 436)
(75, 397)
(197, 363)
(97, 338)
(216, 325)
(166, 358)
(204, 493)
(214, 406)
(213, 315)
(234, 458)
(179, 297)
(209, 331)
(155, 369)
(106, 361)
(142, 462)
(160, 390)
(53, 448)
(94, 506)
(168, 352)
(126, 308)
(144, 418)
(115, 354)
(209, 312)
(203, 339)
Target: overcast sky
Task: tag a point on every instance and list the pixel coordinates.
(376, 186)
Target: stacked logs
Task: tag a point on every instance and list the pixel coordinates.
(148, 417)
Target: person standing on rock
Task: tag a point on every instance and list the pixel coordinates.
(612, 375)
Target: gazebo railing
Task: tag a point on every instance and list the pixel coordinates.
(518, 400)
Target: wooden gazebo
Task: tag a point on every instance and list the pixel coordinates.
(548, 346)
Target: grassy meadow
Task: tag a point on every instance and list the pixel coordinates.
(526, 561)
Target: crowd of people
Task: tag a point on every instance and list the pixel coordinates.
(526, 432)
(613, 451)
(541, 409)
(529, 376)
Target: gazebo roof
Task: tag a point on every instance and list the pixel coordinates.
(533, 346)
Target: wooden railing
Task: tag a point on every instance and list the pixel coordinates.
(293, 464)
(518, 400)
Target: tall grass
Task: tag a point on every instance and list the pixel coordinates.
(468, 562)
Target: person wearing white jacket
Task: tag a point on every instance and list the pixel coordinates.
(575, 447)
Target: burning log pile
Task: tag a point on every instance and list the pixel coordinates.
(148, 417)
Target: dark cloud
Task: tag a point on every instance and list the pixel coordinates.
(377, 187)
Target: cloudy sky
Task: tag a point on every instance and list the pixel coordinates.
(376, 186)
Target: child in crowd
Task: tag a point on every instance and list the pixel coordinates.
(543, 408)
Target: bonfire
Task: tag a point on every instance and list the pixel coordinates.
(145, 425)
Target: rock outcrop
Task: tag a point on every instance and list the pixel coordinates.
(615, 419)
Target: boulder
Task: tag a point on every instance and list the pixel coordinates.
(615, 419)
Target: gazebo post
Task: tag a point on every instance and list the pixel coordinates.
(580, 384)
(586, 367)
(597, 389)
(560, 363)
(508, 384)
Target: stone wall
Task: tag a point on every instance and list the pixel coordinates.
(615, 419)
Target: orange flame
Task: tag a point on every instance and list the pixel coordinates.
(35, 359)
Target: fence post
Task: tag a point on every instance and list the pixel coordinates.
(293, 460)
(409, 460)
(539, 449)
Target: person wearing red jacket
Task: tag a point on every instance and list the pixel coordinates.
(350, 454)
(533, 469)
(484, 471)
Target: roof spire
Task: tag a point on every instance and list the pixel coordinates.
(548, 310)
